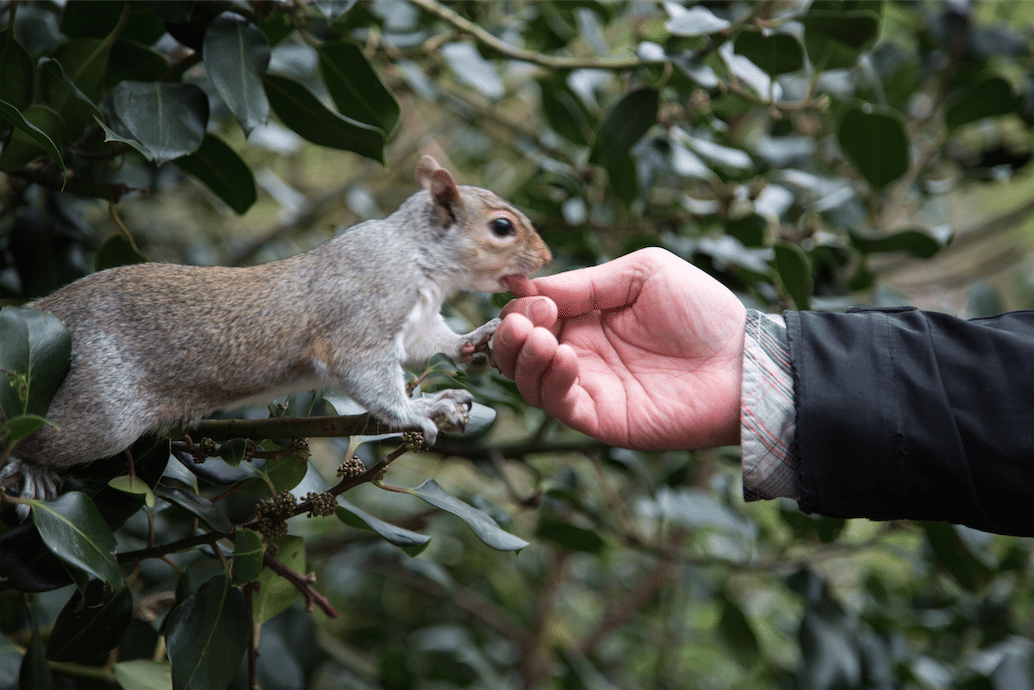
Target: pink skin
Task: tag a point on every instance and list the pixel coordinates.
(642, 352)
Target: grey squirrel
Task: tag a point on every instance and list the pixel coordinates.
(157, 345)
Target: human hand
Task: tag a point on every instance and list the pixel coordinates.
(642, 352)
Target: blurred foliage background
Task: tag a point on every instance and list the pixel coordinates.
(809, 155)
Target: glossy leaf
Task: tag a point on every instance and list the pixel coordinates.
(133, 485)
(76, 533)
(207, 634)
(695, 21)
(36, 132)
(91, 625)
(969, 568)
(301, 111)
(22, 426)
(625, 123)
(167, 119)
(284, 473)
(234, 451)
(775, 54)
(275, 593)
(411, 542)
(565, 112)
(794, 271)
(248, 550)
(236, 57)
(737, 634)
(473, 70)
(85, 62)
(357, 90)
(16, 66)
(143, 674)
(987, 97)
(221, 170)
(875, 140)
(835, 39)
(35, 672)
(486, 529)
(35, 349)
(198, 506)
(914, 241)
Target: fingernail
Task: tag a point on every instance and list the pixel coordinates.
(538, 311)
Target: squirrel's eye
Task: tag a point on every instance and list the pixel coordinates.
(501, 227)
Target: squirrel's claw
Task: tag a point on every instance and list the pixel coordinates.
(38, 482)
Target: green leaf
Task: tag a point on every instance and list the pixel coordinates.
(35, 350)
(197, 506)
(207, 634)
(168, 120)
(625, 123)
(275, 593)
(357, 90)
(486, 529)
(875, 140)
(412, 543)
(285, 473)
(794, 270)
(835, 39)
(98, 18)
(750, 230)
(76, 533)
(234, 451)
(775, 54)
(565, 111)
(248, 551)
(35, 671)
(134, 486)
(117, 251)
(738, 636)
(22, 426)
(35, 132)
(696, 21)
(968, 566)
(916, 242)
(223, 171)
(51, 71)
(91, 625)
(16, 66)
(571, 537)
(623, 179)
(143, 674)
(236, 57)
(85, 61)
(986, 97)
(302, 112)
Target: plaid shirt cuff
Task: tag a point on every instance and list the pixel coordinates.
(767, 415)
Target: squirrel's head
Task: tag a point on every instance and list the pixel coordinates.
(498, 240)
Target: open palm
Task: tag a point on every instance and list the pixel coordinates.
(643, 352)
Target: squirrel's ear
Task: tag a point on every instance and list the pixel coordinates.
(442, 186)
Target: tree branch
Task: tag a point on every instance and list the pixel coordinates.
(304, 585)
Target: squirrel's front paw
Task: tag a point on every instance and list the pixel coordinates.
(38, 482)
(477, 340)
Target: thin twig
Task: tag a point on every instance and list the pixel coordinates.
(304, 585)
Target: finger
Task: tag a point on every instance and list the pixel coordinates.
(508, 340)
(557, 382)
(610, 285)
(541, 311)
(520, 286)
(532, 362)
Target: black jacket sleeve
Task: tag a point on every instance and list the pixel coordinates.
(903, 413)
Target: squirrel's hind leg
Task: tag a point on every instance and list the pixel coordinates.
(38, 482)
